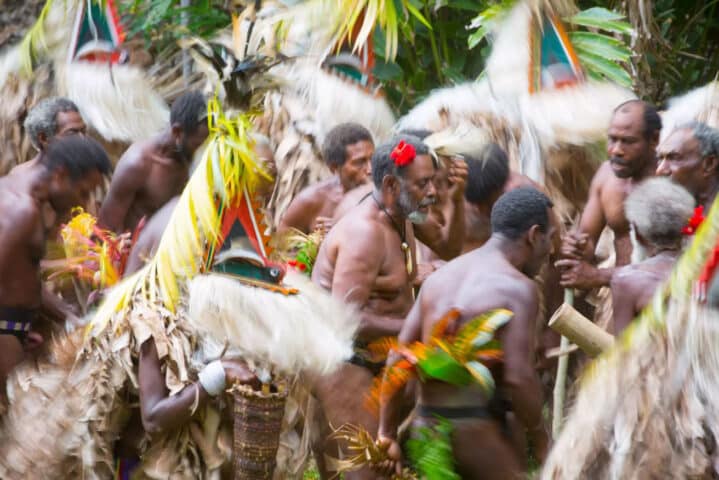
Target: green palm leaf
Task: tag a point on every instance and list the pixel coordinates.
(482, 376)
(599, 66)
(602, 19)
(601, 45)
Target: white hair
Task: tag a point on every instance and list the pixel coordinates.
(658, 209)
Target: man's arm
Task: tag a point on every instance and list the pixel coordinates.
(390, 402)
(447, 242)
(520, 382)
(126, 182)
(161, 412)
(357, 267)
(299, 214)
(581, 244)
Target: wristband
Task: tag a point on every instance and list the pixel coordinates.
(212, 378)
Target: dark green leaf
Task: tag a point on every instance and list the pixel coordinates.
(600, 45)
(606, 68)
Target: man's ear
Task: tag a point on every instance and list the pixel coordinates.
(390, 188)
(710, 165)
(534, 235)
(42, 140)
(654, 141)
(176, 131)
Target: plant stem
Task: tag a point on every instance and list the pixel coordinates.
(435, 50)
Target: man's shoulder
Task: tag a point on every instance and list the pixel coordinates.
(19, 209)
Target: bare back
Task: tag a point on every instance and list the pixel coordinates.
(313, 205)
(144, 181)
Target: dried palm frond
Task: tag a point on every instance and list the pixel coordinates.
(363, 451)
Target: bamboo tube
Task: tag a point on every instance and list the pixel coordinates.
(561, 380)
(580, 330)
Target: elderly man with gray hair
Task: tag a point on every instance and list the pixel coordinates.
(657, 211)
(51, 118)
(690, 156)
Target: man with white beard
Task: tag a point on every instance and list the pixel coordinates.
(657, 211)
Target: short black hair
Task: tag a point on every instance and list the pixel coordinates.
(486, 174)
(518, 210)
(79, 155)
(382, 163)
(189, 110)
(334, 148)
(420, 133)
(650, 117)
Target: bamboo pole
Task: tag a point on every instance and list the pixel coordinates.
(579, 330)
(561, 380)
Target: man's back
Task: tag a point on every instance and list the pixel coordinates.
(145, 179)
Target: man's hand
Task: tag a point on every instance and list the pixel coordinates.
(323, 224)
(574, 245)
(33, 341)
(237, 372)
(540, 442)
(457, 178)
(581, 275)
(393, 464)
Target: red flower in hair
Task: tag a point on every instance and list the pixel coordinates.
(403, 154)
(694, 222)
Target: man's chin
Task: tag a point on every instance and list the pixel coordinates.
(621, 171)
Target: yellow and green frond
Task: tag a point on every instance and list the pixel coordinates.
(479, 331)
(227, 168)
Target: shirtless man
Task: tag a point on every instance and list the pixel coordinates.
(347, 151)
(153, 171)
(632, 139)
(690, 155)
(496, 275)
(54, 117)
(366, 260)
(63, 177)
(657, 210)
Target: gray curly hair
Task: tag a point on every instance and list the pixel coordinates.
(707, 137)
(43, 117)
(658, 209)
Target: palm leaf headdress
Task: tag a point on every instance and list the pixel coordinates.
(226, 171)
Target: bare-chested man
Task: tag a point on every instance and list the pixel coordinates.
(496, 275)
(632, 139)
(64, 176)
(690, 155)
(347, 151)
(153, 171)
(54, 117)
(657, 210)
(366, 259)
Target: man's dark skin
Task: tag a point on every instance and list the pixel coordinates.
(680, 158)
(315, 206)
(633, 286)
(149, 174)
(361, 262)
(632, 159)
(496, 275)
(31, 200)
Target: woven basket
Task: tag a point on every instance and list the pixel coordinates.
(258, 423)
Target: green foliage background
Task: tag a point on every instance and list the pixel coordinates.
(676, 48)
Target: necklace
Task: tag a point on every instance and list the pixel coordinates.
(401, 232)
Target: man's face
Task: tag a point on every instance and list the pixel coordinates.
(66, 193)
(628, 149)
(417, 191)
(680, 159)
(542, 246)
(357, 167)
(189, 142)
(68, 123)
